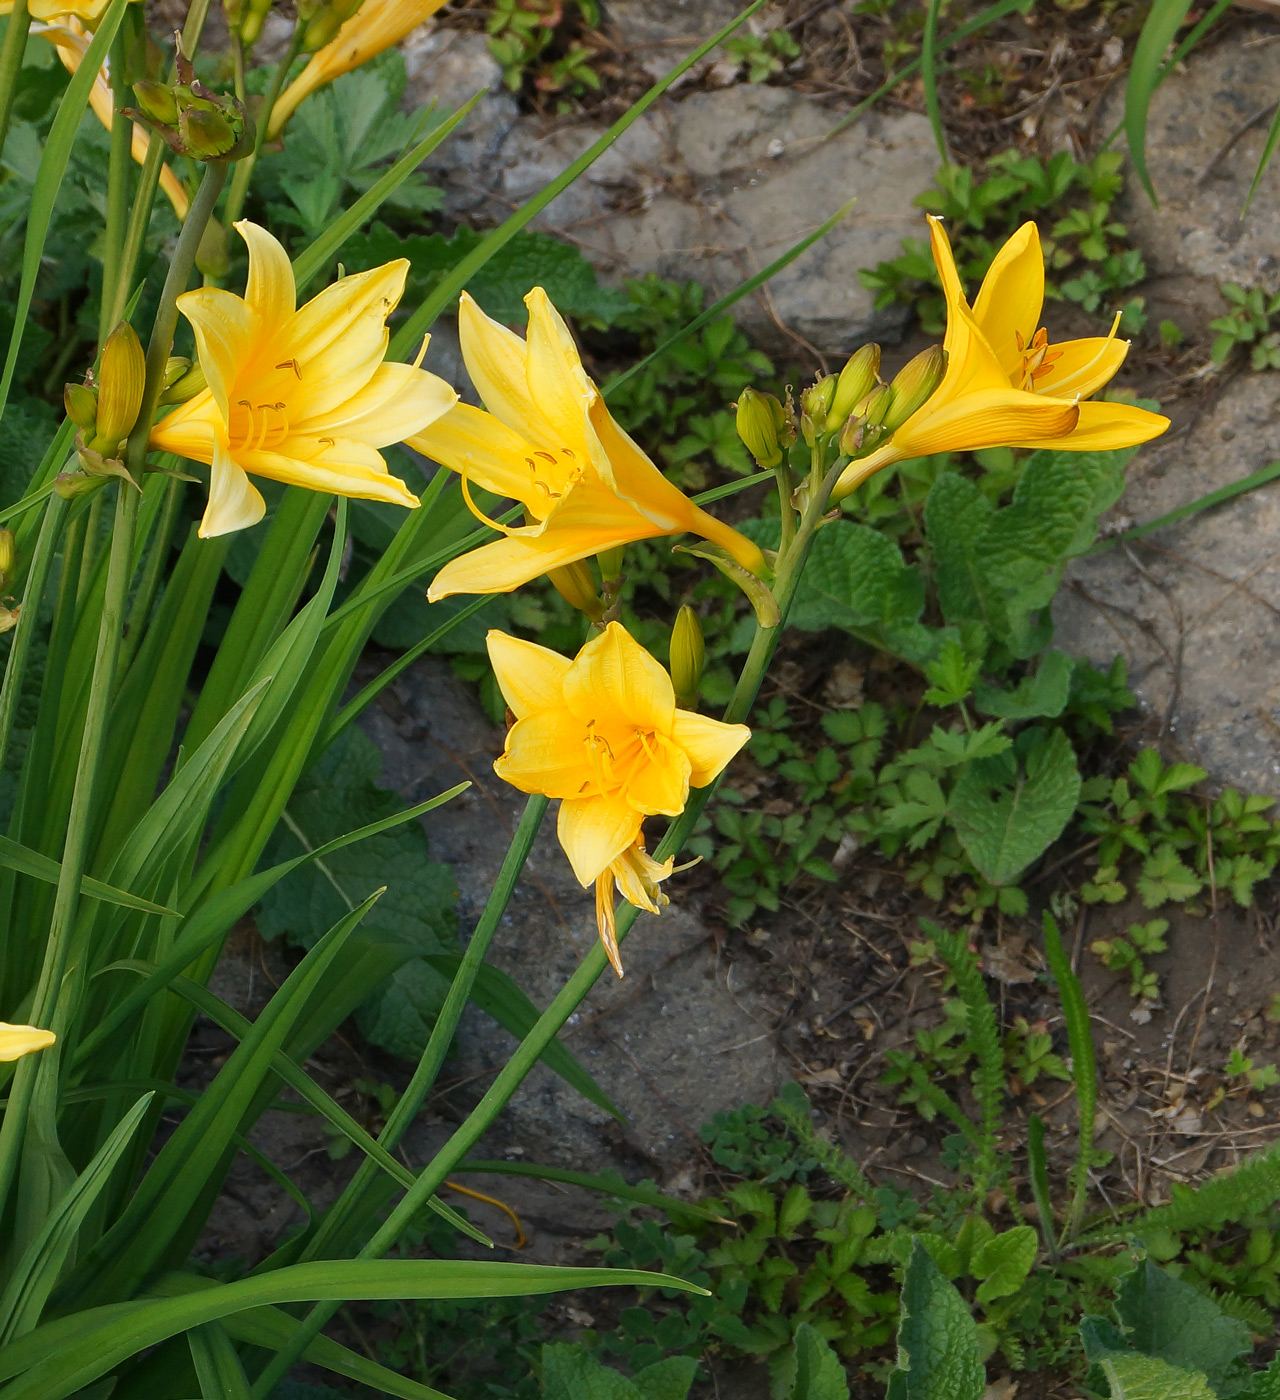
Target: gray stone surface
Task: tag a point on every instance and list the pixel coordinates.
(682, 1036)
(1202, 184)
(658, 33)
(1196, 607)
(720, 184)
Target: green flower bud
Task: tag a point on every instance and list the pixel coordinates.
(759, 418)
(688, 654)
(321, 29)
(857, 379)
(874, 406)
(914, 384)
(81, 404)
(187, 387)
(611, 561)
(8, 555)
(121, 379)
(156, 100)
(174, 368)
(574, 583)
(212, 256)
(69, 485)
(816, 399)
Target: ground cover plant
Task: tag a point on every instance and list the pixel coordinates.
(198, 548)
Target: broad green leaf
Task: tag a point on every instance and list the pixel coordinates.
(61, 1357)
(1004, 826)
(938, 1355)
(1042, 695)
(1263, 1385)
(808, 1369)
(1159, 29)
(955, 515)
(669, 1379)
(1135, 1377)
(1170, 1319)
(570, 1372)
(1004, 1262)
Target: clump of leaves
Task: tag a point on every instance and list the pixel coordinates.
(1128, 955)
(1087, 257)
(539, 43)
(1247, 323)
(763, 56)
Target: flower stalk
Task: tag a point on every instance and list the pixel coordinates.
(11, 51)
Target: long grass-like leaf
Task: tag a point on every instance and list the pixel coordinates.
(1159, 29)
(1084, 1068)
(929, 77)
(32, 1279)
(217, 1364)
(1268, 150)
(14, 856)
(1038, 1171)
(606, 1184)
(454, 281)
(48, 181)
(61, 1357)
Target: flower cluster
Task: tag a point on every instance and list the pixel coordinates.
(303, 396)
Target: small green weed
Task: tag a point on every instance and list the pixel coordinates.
(763, 55)
(529, 40)
(1248, 323)
(1128, 954)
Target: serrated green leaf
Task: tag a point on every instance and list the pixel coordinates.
(809, 1369)
(1171, 1320)
(1004, 1262)
(1003, 828)
(955, 515)
(1042, 695)
(1136, 1377)
(938, 1356)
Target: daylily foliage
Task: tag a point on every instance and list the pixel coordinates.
(603, 734)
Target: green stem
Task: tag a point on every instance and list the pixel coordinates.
(28, 620)
(549, 1024)
(166, 322)
(442, 1032)
(119, 171)
(89, 550)
(150, 580)
(244, 169)
(11, 51)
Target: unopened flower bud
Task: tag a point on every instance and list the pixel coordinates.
(174, 368)
(853, 435)
(81, 404)
(759, 418)
(688, 654)
(874, 406)
(212, 256)
(69, 485)
(574, 583)
(913, 385)
(121, 380)
(816, 399)
(156, 100)
(611, 561)
(187, 387)
(857, 379)
(9, 618)
(8, 555)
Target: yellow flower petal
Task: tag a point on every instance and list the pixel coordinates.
(548, 751)
(594, 832)
(347, 468)
(497, 361)
(1082, 366)
(638, 481)
(224, 332)
(661, 786)
(1103, 427)
(16, 1041)
(397, 402)
(474, 443)
(972, 364)
(554, 375)
(709, 744)
(987, 418)
(189, 431)
(1009, 301)
(235, 503)
(271, 292)
(614, 677)
(530, 677)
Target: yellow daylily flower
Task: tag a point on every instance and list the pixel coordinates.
(603, 734)
(45, 10)
(549, 442)
(376, 25)
(16, 1041)
(1005, 385)
(71, 40)
(298, 396)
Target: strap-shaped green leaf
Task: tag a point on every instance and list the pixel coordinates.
(15, 856)
(58, 1359)
(53, 166)
(1163, 21)
(217, 1363)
